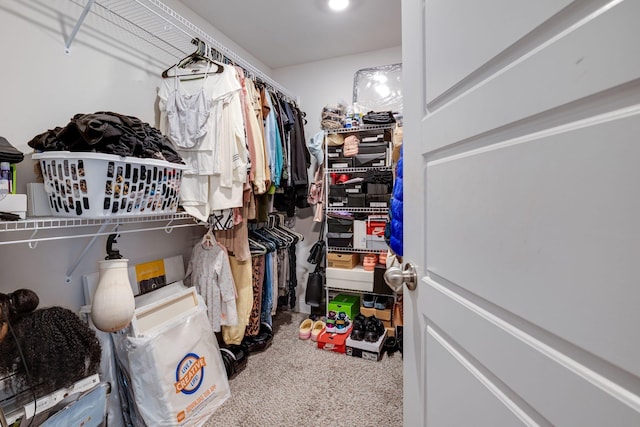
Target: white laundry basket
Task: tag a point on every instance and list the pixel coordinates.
(94, 185)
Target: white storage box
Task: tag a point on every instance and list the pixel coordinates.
(356, 279)
(94, 185)
(14, 203)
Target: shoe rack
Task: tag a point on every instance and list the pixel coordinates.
(356, 200)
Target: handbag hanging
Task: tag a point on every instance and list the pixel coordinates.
(315, 287)
(316, 253)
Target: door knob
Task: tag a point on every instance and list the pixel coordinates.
(395, 277)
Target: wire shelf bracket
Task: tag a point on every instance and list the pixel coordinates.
(150, 21)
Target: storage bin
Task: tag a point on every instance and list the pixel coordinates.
(337, 190)
(370, 160)
(339, 225)
(373, 148)
(356, 200)
(340, 240)
(95, 185)
(378, 200)
(377, 188)
(337, 202)
(356, 279)
(340, 162)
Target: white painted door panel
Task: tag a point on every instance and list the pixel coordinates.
(534, 372)
(568, 67)
(448, 379)
(544, 225)
(476, 37)
(521, 212)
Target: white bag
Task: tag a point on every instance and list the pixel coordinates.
(177, 374)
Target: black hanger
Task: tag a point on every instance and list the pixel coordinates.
(201, 54)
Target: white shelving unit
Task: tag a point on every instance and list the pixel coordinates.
(333, 289)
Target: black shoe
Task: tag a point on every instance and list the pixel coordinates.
(357, 333)
(234, 358)
(260, 342)
(390, 346)
(374, 329)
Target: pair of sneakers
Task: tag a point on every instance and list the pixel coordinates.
(369, 329)
(375, 301)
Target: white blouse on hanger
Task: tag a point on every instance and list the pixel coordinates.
(218, 163)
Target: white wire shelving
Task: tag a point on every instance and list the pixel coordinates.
(61, 227)
(361, 128)
(163, 30)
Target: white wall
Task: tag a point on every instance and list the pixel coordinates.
(42, 88)
(318, 84)
(330, 81)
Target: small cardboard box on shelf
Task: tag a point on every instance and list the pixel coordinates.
(342, 260)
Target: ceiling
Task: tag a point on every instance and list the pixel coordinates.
(289, 32)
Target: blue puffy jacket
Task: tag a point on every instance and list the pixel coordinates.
(395, 212)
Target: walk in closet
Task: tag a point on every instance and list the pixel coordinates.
(97, 78)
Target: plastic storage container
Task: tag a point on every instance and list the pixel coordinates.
(94, 185)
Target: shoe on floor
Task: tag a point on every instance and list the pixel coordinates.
(318, 327)
(305, 329)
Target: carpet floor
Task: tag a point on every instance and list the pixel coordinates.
(293, 383)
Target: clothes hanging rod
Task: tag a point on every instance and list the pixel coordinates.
(152, 22)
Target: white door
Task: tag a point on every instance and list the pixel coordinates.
(522, 212)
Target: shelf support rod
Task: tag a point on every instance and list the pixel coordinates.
(75, 265)
(76, 28)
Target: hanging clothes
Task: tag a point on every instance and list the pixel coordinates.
(273, 140)
(210, 272)
(188, 114)
(218, 160)
(241, 271)
(257, 276)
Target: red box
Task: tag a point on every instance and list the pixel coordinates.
(334, 342)
(375, 227)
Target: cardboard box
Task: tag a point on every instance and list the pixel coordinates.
(333, 342)
(376, 243)
(342, 260)
(364, 349)
(391, 331)
(384, 315)
(17, 204)
(356, 279)
(359, 234)
(366, 311)
(348, 304)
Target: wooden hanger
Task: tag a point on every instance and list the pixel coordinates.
(200, 55)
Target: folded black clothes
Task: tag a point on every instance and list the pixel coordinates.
(377, 176)
(378, 118)
(108, 133)
(9, 153)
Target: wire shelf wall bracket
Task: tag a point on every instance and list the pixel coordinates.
(166, 30)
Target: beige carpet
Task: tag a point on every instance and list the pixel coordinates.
(293, 383)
